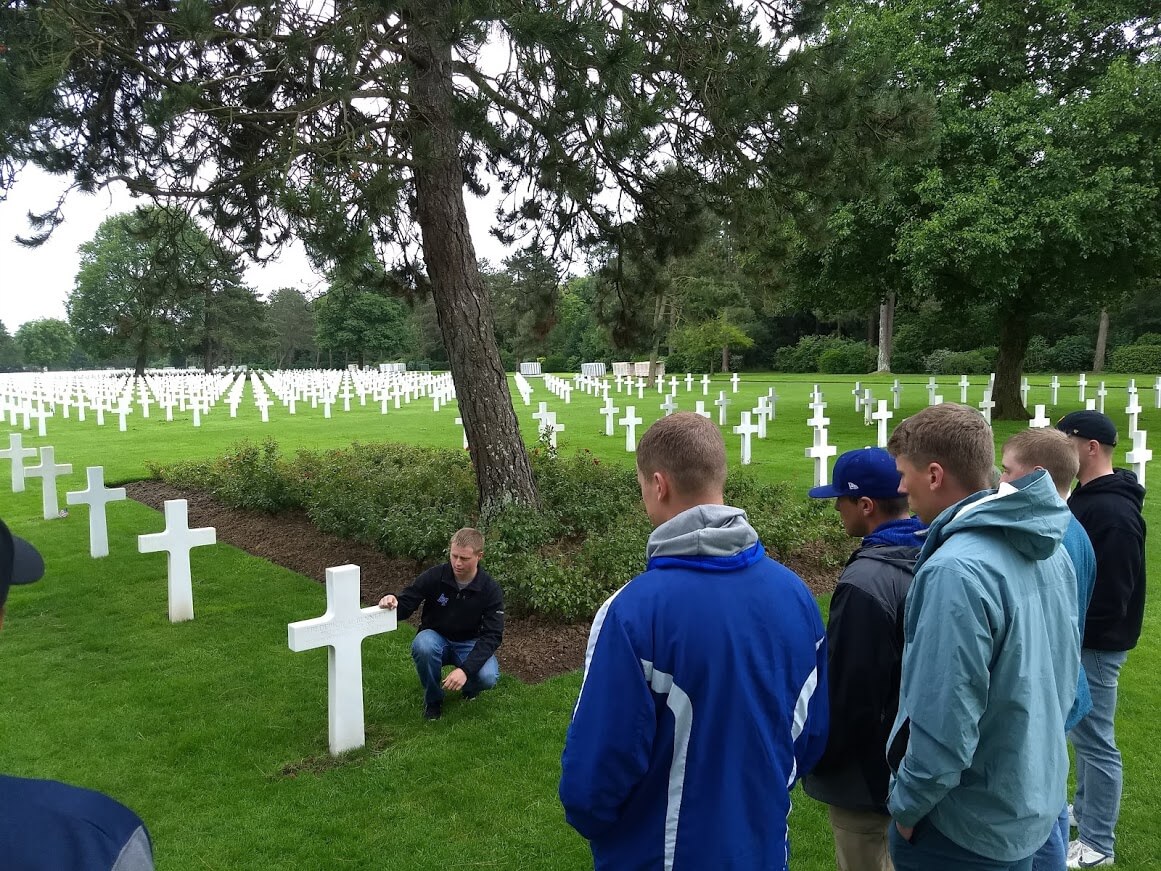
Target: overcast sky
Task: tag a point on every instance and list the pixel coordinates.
(35, 281)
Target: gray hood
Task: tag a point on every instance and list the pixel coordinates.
(705, 530)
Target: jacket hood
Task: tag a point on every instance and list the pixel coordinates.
(705, 530)
(904, 532)
(1121, 482)
(1028, 512)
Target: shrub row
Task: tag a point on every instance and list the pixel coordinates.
(561, 561)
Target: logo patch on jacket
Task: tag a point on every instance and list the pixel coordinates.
(443, 600)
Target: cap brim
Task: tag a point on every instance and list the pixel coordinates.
(826, 491)
(27, 563)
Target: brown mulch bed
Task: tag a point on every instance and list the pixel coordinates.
(534, 648)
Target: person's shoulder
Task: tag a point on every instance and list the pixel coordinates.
(487, 582)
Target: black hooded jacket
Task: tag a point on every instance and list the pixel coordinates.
(1109, 509)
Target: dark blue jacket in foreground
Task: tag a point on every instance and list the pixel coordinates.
(704, 700)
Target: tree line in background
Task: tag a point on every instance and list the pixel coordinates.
(154, 290)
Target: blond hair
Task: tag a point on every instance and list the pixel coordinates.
(1050, 449)
(689, 450)
(955, 436)
(468, 537)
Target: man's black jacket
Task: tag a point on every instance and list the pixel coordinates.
(474, 613)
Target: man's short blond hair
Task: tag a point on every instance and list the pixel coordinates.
(955, 436)
(689, 449)
(468, 537)
(1048, 448)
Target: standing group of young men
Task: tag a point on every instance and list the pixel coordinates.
(934, 727)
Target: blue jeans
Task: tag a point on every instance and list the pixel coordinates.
(1098, 761)
(1052, 856)
(431, 652)
(930, 850)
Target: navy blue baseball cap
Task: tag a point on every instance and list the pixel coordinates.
(20, 562)
(869, 472)
(1090, 425)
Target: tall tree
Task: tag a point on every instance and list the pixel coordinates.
(1044, 188)
(9, 351)
(47, 343)
(292, 322)
(355, 122)
(362, 326)
(143, 284)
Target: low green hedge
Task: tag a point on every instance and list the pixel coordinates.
(561, 561)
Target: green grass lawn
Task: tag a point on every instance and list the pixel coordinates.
(215, 733)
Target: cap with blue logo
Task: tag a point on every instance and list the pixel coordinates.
(868, 472)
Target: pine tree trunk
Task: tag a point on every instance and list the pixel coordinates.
(1098, 359)
(886, 332)
(658, 319)
(1014, 337)
(463, 309)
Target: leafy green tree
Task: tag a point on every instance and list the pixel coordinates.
(230, 324)
(143, 287)
(524, 296)
(357, 127)
(1044, 190)
(700, 343)
(9, 351)
(291, 319)
(363, 326)
(47, 343)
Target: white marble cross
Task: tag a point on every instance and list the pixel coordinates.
(1139, 455)
(820, 452)
(746, 430)
(723, 404)
(1055, 385)
(42, 415)
(609, 411)
(868, 405)
(673, 384)
(772, 398)
(1040, 421)
(700, 410)
(1102, 392)
(705, 383)
(97, 497)
(123, 409)
(881, 417)
(550, 427)
(1157, 390)
(669, 405)
(734, 381)
(986, 406)
(48, 471)
(931, 388)
(759, 415)
(688, 381)
(541, 417)
(17, 453)
(460, 423)
(1134, 412)
(1081, 382)
(341, 629)
(858, 394)
(1024, 391)
(818, 421)
(964, 384)
(898, 391)
(177, 540)
(630, 422)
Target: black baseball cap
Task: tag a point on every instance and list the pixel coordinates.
(1089, 425)
(20, 562)
(867, 472)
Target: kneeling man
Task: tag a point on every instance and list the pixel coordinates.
(462, 623)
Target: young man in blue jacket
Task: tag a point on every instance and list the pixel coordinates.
(46, 825)
(1050, 450)
(865, 639)
(990, 657)
(704, 696)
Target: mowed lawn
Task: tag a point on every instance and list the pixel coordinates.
(215, 733)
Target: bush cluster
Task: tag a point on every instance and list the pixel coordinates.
(825, 354)
(945, 362)
(561, 561)
(1136, 358)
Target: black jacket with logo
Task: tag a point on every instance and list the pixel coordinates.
(1109, 509)
(865, 659)
(474, 613)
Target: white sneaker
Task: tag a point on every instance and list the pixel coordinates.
(1081, 855)
(1071, 816)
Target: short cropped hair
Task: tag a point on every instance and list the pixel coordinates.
(897, 506)
(955, 436)
(689, 449)
(1049, 448)
(468, 537)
